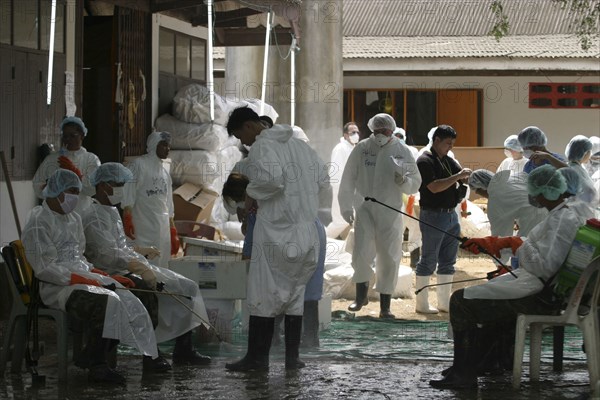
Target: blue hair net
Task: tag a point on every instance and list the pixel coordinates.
(572, 178)
(59, 181)
(512, 143)
(577, 148)
(547, 181)
(382, 121)
(155, 138)
(480, 179)
(73, 120)
(111, 172)
(532, 136)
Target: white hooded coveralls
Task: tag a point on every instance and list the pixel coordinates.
(54, 245)
(86, 162)
(285, 176)
(339, 157)
(107, 248)
(371, 171)
(150, 196)
(540, 255)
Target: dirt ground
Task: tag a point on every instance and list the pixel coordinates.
(468, 266)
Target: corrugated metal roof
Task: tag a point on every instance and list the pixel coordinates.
(451, 17)
(534, 46)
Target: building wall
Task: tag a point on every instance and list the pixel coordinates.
(25, 200)
(505, 107)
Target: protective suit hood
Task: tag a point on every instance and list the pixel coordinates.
(280, 133)
(154, 139)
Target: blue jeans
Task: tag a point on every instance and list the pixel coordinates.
(439, 250)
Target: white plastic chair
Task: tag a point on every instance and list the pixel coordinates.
(587, 323)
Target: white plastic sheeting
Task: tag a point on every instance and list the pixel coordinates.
(187, 136)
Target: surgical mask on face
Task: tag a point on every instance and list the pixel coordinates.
(246, 147)
(527, 153)
(69, 203)
(241, 204)
(533, 201)
(117, 196)
(353, 138)
(381, 139)
(507, 153)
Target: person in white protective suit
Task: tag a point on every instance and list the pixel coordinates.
(480, 313)
(285, 176)
(148, 201)
(579, 152)
(514, 161)
(508, 202)
(414, 232)
(339, 157)
(594, 165)
(108, 250)
(72, 156)
(534, 141)
(383, 168)
(54, 242)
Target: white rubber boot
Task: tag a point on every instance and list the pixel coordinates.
(443, 292)
(423, 306)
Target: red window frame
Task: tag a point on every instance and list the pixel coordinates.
(564, 95)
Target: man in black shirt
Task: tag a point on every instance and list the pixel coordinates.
(441, 190)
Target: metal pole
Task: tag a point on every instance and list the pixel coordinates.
(209, 73)
(265, 63)
(51, 53)
(293, 82)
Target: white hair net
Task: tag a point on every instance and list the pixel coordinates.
(547, 181)
(595, 144)
(572, 178)
(512, 143)
(430, 134)
(399, 132)
(382, 121)
(73, 120)
(577, 148)
(298, 133)
(154, 139)
(59, 181)
(480, 179)
(532, 136)
(111, 172)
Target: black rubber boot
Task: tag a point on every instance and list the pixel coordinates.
(276, 342)
(184, 353)
(293, 332)
(310, 334)
(260, 334)
(159, 364)
(462, 374)
(385, 301)
(99, 371)
(362, 298)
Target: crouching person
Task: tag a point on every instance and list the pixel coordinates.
(54, 242)
(477, 310)
(107, 248)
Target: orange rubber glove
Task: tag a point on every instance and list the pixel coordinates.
(128, 225)
(82, 280)
(492, 244)
(174, 241)
(463, 209)
(65, 163)
(410, 205)
(128, 283)
(99, 271)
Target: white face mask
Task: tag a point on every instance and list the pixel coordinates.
(527, 153)
(507, 153)
(241, 204)
(381, 139)
(69, 203)
(353, 138)
(117, 195)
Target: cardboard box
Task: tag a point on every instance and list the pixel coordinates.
(217, 279)
(193, 203)
(209, 248)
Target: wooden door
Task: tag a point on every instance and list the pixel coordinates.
(460, 108)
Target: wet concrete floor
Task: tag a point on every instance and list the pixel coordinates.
(358, 359)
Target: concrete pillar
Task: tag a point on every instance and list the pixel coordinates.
(319, 75)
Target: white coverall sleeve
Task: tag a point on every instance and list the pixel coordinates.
(411, 178)
(170, 204)
(543, 256)
(42, 255)
(106, 245)
(92, 162)
(264, 172)
(348, 183)
(130, 188)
